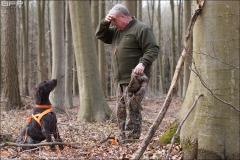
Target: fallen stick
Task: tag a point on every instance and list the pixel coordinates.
(168, 99)
(180, 125)
(38, 144)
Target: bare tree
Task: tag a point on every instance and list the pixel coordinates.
(101, 51)
(10, 84)
(68, 59)
(212, 129)
(188, 62)
(57, 34)
(93, 105)
(173, 63)
(41, 40)
(25, 79)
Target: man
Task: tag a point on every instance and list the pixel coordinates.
(134, 48)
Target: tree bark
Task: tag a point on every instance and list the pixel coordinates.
(57, 31)
(41, 39)
(93, 105)
(101, 52)
(160, 48)
(168, 99)
(69, 59)
(25, 90)
(131, 6)
(10, 86)
(188, 61)
(214, 124)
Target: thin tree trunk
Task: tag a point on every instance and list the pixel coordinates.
(172, 39)
(69, 59)
(160, 48)
(131, 6)
(95, 13)
(139, 10)
(101, 53)
(179, 35)
(25, 48)
(188, 62)
(41, 44)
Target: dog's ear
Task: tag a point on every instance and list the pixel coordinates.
(38, 94)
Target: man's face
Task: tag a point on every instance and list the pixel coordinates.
(119, 22)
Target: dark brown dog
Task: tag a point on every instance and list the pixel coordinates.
(39, 129)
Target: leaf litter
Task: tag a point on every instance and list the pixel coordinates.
(97, 140)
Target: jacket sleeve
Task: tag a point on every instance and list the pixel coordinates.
(104, 32)
(150, 47)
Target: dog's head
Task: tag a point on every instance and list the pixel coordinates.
(42, 91)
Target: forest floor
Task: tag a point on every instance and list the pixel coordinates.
(90, 136)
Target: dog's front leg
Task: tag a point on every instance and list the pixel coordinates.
(58, 138)
(47, 134)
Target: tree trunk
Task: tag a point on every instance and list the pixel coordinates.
(93, 106)
(172, 40)
(101, 53)
(179, 40)
(213, 126)
(95, 13)
(41, 41)
(25, 79)
(188, 61)
(160, 48)
(10, 86)
(131, 6)
(49, 61)
(69, 59)
(57, 31)
(139, 10)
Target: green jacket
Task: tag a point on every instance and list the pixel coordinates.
(135, 44)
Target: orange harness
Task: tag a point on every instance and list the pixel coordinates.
(39, 116)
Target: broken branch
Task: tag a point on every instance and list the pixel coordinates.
(38, 144)
(180, 125)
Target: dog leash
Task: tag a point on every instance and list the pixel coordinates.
(39, 116)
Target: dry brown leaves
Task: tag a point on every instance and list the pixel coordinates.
(90, 136)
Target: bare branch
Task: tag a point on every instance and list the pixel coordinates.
(38, 144)
(205, 85)
(180, 125)
(214, 57)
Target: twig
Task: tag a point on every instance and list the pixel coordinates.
(205, 85)
(214, 57)
(168, 99)
(180, 125)
(104, 140)
(38, 144)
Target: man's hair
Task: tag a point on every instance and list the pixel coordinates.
(119, 9)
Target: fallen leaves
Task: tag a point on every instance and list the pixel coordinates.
(96, 140)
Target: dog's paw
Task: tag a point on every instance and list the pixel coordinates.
(61, 147)
(53, 148)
